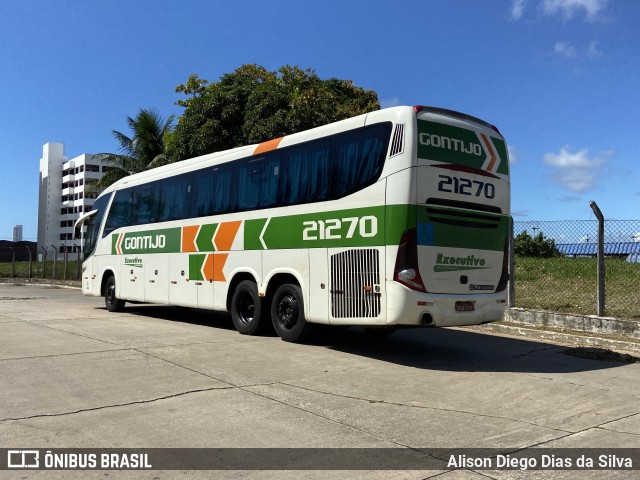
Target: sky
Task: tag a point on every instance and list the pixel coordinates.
(559, 78)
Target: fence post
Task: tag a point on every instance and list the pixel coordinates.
(601, 265)
(44, 263)
(511, 294)
(65, 258)
(78, 265)
(55, 260)
(30, 264)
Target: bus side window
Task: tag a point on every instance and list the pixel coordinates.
(358, 158)
(221, 190)
(173, 202)
(257, 182)
(203, 193)
(173, 198)
(305, 173)
(145, 202)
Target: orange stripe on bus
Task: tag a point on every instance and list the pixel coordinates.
(219, 260)
(226, 234)
(189, 238)
(493, 155)
(207, 269)
(267, 146)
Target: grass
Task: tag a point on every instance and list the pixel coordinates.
(569, 285)
(22, 270)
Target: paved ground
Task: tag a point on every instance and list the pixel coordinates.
(74, 375)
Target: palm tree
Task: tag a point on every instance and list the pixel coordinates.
(142, 151)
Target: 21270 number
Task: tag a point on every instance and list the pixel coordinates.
(464, 186)
(336, 229)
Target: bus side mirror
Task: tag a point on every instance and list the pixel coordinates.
(77, 232)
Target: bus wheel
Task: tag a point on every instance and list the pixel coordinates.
(113, 303)
(287, 313)
(246, 308)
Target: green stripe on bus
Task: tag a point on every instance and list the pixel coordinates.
(166, 240)
(448, 228)
(195, 266)
(358, 227)
(204, 240)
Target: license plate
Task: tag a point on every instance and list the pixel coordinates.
(465, 306)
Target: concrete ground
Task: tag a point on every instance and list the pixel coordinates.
(74, 375)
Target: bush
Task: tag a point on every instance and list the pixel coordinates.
(539, 246)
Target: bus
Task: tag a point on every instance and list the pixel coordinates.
(398, 217)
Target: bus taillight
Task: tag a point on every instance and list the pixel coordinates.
(406, 270)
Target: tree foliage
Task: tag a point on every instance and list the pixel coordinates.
(538, 246)
(253, 104)
(143, 150)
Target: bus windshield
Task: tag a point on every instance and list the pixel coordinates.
(93, 226)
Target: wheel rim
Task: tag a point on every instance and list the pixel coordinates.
(288, 311)
(246, 308)
(111, 294)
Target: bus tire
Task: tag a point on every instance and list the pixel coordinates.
(246, 309)
(113, 303)
(287, 313)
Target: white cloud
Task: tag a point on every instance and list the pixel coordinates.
(513, 155)
(565, 49)
(568, 8)
(594, 49)
(517, 8)
(576, 171)
(389, 102)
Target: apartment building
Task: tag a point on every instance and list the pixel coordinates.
(67, 190)
(17, 233)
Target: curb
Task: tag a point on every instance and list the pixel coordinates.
(564, 338)
(70, 284)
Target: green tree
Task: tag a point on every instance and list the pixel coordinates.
(539, 246)
(253, 104)
(144, 149)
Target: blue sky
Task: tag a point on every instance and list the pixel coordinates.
(560, 78)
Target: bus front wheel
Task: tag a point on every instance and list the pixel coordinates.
(113, 303)
(246, 309)
(287, 313)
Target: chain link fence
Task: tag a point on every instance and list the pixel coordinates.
(25, 261)
(555, 266)
(566, 280)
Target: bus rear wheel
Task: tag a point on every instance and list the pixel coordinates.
(113, 303)
(246, 309)
(287, 313)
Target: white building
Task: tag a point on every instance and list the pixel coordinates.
(67, 190)
(17, 233)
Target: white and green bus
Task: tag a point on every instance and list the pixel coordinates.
(399, 217)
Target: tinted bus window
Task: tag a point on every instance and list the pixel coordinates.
(257, 183)
(174, 198)
(305, 173)
(358, 159)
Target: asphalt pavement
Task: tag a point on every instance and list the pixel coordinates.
(76, 376)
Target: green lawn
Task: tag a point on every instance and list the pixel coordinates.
(569, 285)
(22, 270)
